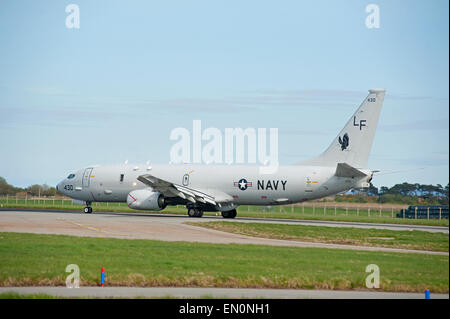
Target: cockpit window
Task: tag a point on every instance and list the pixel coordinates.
(71, 176)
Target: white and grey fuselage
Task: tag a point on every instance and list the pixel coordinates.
(224, 187)
(228, 184)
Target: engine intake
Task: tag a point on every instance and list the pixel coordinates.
(145, 199)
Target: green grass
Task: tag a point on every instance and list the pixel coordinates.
(338, 214)
(405, 239)
(15, 295)
(31, 259)
(285, 212)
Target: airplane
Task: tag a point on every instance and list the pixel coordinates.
(222, 188)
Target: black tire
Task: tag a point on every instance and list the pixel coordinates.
(87, 210)
(199, 213)
(229, 214)
(195, 212)
(191, 212)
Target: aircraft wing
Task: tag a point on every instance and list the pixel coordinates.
(170, 190)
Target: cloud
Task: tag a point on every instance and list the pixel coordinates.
(55, 117)
(63, 106)
(400, 96)
(436, 160)
(260, 99)
(310, 93)
(301, 132)
(442, 124)
(49, 91)
(209, 105)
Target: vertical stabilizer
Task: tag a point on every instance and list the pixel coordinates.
(354, 142)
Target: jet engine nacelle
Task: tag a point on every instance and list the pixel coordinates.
(146, 199)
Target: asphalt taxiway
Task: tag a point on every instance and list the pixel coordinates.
(181, 292)
(172, 228)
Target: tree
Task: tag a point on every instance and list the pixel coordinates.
(6, 189)
(50, 191)
(384, 190)
(35, 190)
(372, 190)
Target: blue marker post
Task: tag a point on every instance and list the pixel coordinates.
(427, 294)
(102, 278)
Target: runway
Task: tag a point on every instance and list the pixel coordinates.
(432, 229)
(164, 292)
(171, 228)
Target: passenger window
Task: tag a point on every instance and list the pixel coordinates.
(121, 177)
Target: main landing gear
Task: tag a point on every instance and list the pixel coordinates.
(195, 212)
(198, 212)
(229, 214)
(88, 208)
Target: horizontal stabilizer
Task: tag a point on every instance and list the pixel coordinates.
(345, 170)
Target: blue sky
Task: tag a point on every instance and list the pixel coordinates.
(114, 89)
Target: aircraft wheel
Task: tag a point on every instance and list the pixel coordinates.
(199, 213)
(191, 212)
(88, 210)
(229, 214)
(195, 212)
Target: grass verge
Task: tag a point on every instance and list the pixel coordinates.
(41, 260)
(281, 212)
(404, 239)
(16, 295)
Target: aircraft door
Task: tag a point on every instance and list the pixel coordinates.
(86, 177)
(185, 179)
(308, 187)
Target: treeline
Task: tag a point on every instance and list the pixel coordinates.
(405, 193)
(33, 190)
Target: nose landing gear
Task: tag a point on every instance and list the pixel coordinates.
(88, 208)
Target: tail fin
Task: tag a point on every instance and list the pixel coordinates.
(353, 144)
